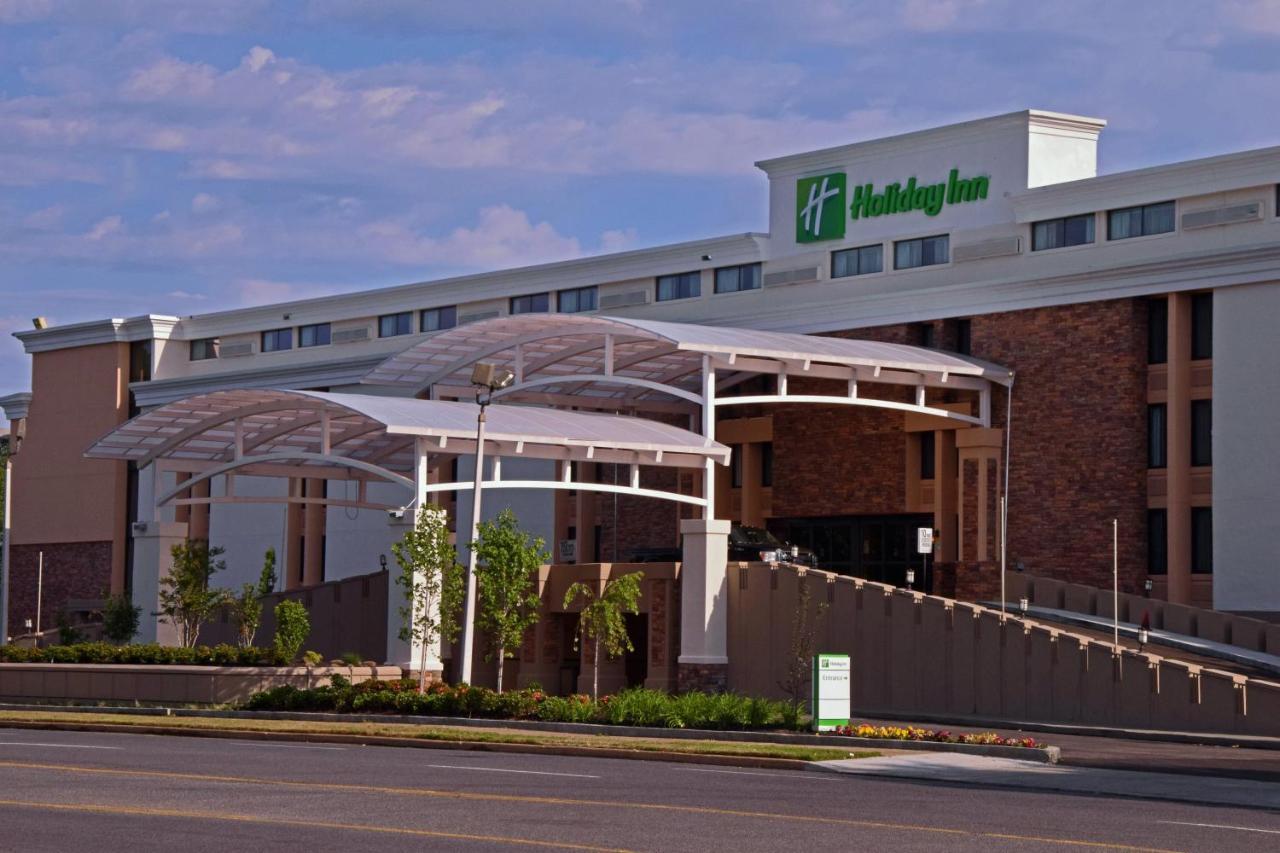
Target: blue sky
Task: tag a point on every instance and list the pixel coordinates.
(182, 156)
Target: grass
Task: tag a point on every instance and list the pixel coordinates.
(178, 725)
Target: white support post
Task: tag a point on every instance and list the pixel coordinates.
(324, 432)
(4, 550)
(782, 379)
(984, 406)
(708, 436)
(635, 476)
(496, 465)
(519, 365)
(239, 437)
(853, 387)
(608, 355)
(153, 541)
(920, 398)
(410, 656)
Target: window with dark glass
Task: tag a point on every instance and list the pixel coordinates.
(391, 325)
(1201, 432)
(1140, 221)
(1201, 540)
(532, 303)
(315, 335)
(1157, 331)
(766, 464)
(578, 299)
(926, 455)
(922, 252)
(925, 336)
(734, 279)
(277, 340)
(735, 466)
(859, 261)
(1202, 325)
(1065, 231)
(964, 336)
(1156, 436)
(685, 285)
(435, 319)
(204, 348)
(1157, 542)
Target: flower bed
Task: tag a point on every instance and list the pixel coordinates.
(915, 733)
(635, 707)
(151, 653)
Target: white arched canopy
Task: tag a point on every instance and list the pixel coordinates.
(312, 434)
(628, 365)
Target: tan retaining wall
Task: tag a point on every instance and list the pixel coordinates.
(127, 683)
(918, 654)
(1214, 625)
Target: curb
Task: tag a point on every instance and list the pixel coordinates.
(748, 761)
(1043, 755)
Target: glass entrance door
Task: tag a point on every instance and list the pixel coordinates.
(876, 547)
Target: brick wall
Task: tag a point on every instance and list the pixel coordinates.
(641, 522)
(71, 570)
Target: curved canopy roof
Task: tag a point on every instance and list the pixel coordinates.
(567, 356)
(224, 426)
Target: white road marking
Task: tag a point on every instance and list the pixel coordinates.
(56, 745)
(282, 745)
(1221, 826)
(809, 777)
(503, 770)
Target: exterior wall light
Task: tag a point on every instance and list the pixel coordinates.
(911, 577)
(1147, 586)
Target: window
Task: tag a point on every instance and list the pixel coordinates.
(1157, 542)
(578, 299)
(925, 336)
(1140, 221)
(1202, 325)
(391, 325)
(1157, 331)
(859, 261)
(315, 335)
(435, 319)
(1201, 432)
(964, 336)
(277, 340)
(766, 464)
(204, 348)
(923, 252)
(1066, 231)
(533, 303)
(1201, 540)
(733, 279)
(685, 285)
(1156, 446)
(735, 466)
(926, 455)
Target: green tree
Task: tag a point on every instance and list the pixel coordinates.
(293, 626)
(507, 598)
(246, 607)
(431, 581)
(603, 617)
(186, 598)
(120, 618)
(798, 675)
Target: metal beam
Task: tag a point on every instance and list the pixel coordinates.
(868, 402)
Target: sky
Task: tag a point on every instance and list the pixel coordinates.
(185, 156)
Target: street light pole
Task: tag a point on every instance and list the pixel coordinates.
(469, 602)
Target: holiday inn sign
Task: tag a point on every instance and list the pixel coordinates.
(820, 201)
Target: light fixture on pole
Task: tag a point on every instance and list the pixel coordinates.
(1147, 586)
(382, 561)
(911, 577)
(487, 378)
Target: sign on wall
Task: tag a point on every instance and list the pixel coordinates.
(820, 201)
(831, 677)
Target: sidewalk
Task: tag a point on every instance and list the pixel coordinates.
(1026, 775)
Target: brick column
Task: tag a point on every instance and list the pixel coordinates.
(704, 614)
(313, 524)
(1178, 450)
(978, 550)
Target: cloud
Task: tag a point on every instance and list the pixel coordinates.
(183, 294)
(204, 203)
(105, 228)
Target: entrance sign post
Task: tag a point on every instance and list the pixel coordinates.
(830, 692)
(924, 547)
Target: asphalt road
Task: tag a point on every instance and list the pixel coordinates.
(64, 791)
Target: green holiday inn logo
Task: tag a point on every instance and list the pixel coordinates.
(820, 199)
(820, 208)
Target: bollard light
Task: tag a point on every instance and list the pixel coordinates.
(1147, 586)
(382, 561)
(1143, 637)
(1024, 604)
(911, 577)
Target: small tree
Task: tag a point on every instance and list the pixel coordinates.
(293, 626)
(798, 676)
(186, 599)
(246, 608)
(431, 582)
(602, 619)
(120, 618)
(508, 602)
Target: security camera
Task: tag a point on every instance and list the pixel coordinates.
(395, 514)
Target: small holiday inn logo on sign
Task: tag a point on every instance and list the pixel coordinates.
(820, 213)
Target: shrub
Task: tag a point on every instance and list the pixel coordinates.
(150, 653)
(293, 626)
(120, 618)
